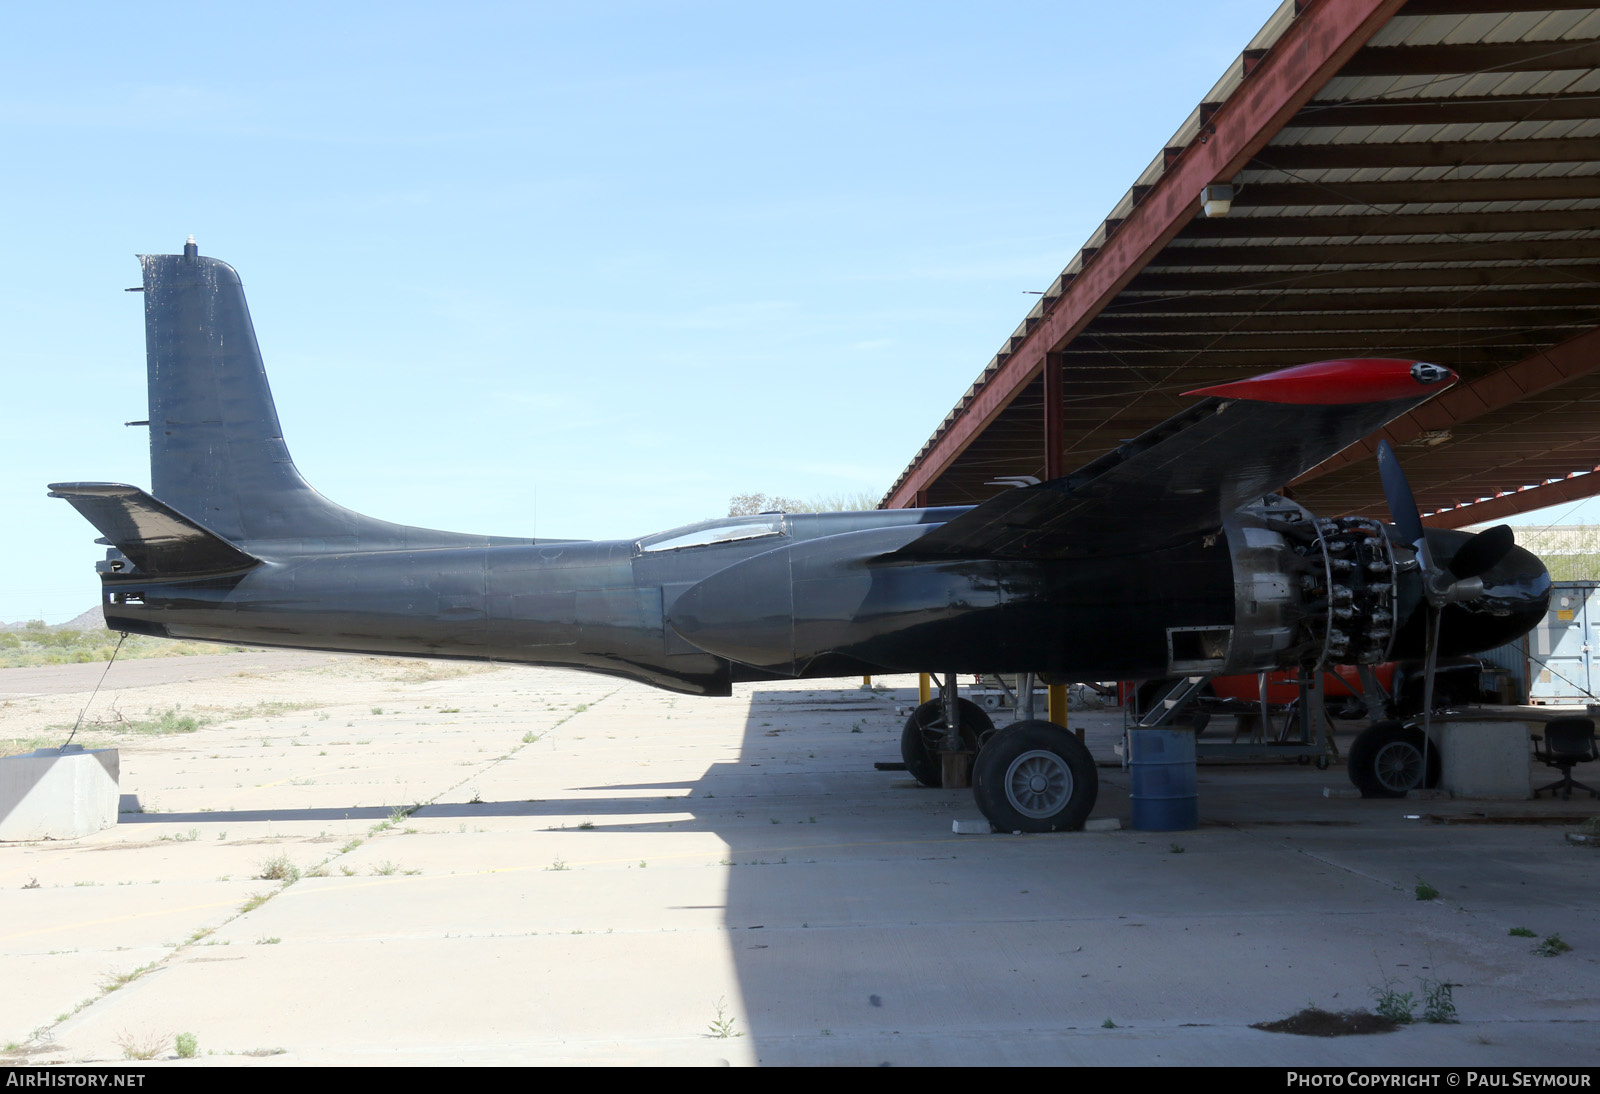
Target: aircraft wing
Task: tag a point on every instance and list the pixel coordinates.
(154, 536)
(1181, 479)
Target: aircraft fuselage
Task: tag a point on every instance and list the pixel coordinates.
(802, 595)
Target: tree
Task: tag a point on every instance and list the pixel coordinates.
(748, 505)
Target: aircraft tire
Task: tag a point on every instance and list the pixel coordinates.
(1035, 777)
(919, 741)
(1386, 760)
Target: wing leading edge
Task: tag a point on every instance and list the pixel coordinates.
(1182, 478)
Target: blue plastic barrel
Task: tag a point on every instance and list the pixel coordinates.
(1162, 769)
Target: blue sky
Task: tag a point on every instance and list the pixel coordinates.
(559, 269)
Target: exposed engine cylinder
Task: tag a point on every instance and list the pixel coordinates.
(1350, 605)
(1309, 591)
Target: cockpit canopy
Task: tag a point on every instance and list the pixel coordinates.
(709, 532)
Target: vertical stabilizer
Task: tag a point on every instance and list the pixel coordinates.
(216, 451)
(217, 454)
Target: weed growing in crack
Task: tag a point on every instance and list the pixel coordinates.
(118, 980)
(279, 868)
(1551, 946)
(722, 1025)
(141, 1046)
(1438, 1001)
(1392, 1004)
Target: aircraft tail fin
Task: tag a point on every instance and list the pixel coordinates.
(216, 450)
(155, 537)
(217, 453)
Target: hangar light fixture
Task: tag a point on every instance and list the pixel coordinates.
(1217, 199)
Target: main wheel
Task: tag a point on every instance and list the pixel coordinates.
(1035, 777)
(919, 741)
(1390, 758)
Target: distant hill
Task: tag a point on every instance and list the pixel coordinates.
(90, 620)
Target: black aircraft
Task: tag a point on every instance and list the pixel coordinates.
(1168, 557)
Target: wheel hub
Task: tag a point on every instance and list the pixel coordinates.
(1398, 766)
(1039, 784)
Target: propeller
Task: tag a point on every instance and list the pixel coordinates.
(1483, 552)
(1461, 580)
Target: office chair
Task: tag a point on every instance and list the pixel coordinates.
(1566, 741)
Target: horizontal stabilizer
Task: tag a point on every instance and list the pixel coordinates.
(155, 537)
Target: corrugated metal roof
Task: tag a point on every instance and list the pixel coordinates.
(1438, 196)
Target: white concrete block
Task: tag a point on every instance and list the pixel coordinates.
(1102, 824)
(971, 827)
(58, 794)
(1485, 759)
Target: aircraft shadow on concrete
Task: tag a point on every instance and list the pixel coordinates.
(740, 781)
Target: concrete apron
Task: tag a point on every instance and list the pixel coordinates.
(601, 873)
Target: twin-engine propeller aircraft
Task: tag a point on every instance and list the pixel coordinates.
(1169, 557)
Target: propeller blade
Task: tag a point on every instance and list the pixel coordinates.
(1483, 552)
(1402, 505)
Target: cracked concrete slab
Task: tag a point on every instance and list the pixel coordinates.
(535, 866)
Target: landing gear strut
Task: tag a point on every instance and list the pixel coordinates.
(924, 734)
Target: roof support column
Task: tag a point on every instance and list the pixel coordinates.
(1055, 457)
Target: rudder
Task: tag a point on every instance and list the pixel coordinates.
(216, 450)
(217, 453)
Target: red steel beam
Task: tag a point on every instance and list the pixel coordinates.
(1055, 452)
(1313, 48)
(1574, 487)
(1542, 371)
